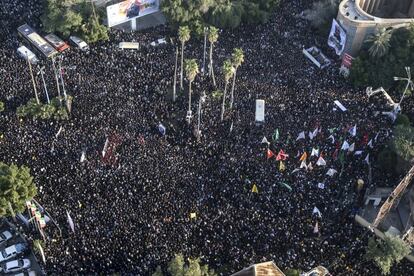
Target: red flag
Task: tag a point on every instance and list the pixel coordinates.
(281, 155)
(365, 139)
(335, 154)
(270, 154)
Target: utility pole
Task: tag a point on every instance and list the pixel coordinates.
(204, 50)
(57, 80)
(44, 84)
(63, 86)
(200, 102)
(33, 80)
(175, 73)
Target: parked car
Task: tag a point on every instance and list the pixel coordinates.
(26, 54)
(5, 236)
(15, 265)
(27, 273)
(79, 43)
(56, 42)
(158, 42)
(12, 251)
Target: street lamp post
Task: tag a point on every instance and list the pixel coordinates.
(409, 83)
(204, 50)
(200, 102)
(44, 84)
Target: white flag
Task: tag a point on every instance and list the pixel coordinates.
(351, 147)
(313, 134)
(59, 131)
(295, 170)
(353, 130)
(367, 159)
(105, 147)
(231, 127)
(331, 172)
(297, 155)
(345, 145)
(83, 157)
(370, 144)
(70, 221)
(332, 139)
(358, 152)
(321, 162)
(310, 167)
(315, 152)
(321, 186)
(265, 141)
(316, 228)
(376, 136)
(316, 211)
(303, 165)
(301, 136)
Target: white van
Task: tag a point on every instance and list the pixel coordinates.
(79, 43)
(26, 54)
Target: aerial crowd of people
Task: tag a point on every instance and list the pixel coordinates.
(232, 197)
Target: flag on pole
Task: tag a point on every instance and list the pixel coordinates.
(59, 131)
(303, 157)
(286, 186)
(83, 157)
(370, 144)
(310, 167)
(358, 152)
(351, 147)
(316, 228)
(281, 155)
(162, 129)
(275, 136)
(265, 141)
(28, 204)
(254, 189)
(321, 161)
(331, 172)
(335, 154)
(376, 136)
(367, 159)
(303, 165)
(301, 136)
(313, 134)
(70, 221)
(365, 139)
(345, 145)
(281, 166)
(193, 215)
(332, 138)
(231, 127)
(321, 185)
(317, 212)
(353, 130)
(270, 154)
(42, 222)
(315, 152)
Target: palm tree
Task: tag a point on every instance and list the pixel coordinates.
(237, 59)
(191, 70)
(183, 36)
(228, 71)
(212, 38)
(379, 42)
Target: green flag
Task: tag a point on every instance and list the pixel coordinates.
(342, 157)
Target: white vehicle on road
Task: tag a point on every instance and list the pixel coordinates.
(5, 236)
(12, 251)
(158, 42)
(26, 54)
(15, 265)
(79, 43)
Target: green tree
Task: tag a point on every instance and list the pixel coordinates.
(384, 253)
(292, 272)
(93, 31)
(205, 271)
(212, 38)
(193, 268)
(321, 13)
(237, 59)
(183, 36)
(1, 106)
(176, 265)
(402, 119)
(403, 142)
(61, 16)
(191, 70)
(158, 272)
(228, 71)
(379, 42)
(16, 187)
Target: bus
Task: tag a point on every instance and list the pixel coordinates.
(38, 43)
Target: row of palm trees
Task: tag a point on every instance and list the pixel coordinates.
(190, 66)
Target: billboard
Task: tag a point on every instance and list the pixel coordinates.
(130, 9)
(337, 37)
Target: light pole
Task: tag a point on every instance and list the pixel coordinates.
(409, 83)
(204, 50)
(200, 102)
(56, 78)
(33, 80)
(44, 84)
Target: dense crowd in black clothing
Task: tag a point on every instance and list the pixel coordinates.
(134, 214)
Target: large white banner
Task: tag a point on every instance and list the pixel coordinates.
(337, 37)
(260, 111)
(130, 9)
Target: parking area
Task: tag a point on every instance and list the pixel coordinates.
(16, 255)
